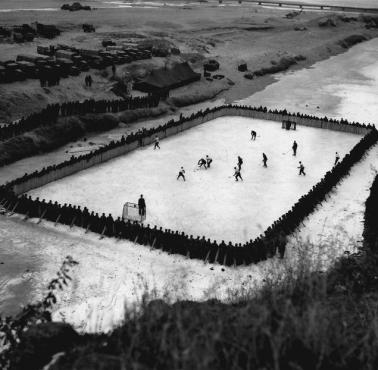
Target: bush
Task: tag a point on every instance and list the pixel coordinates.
(351, 41)
(282, 65)
(300, 323)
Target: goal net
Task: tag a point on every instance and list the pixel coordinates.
(131, 212)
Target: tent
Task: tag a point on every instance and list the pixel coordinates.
(165, 79)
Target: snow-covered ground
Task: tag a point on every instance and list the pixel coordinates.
(111, 274)
(210, 202)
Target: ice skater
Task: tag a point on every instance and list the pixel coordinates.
(295, 147)
(142, 205)
(156, 140)
(337, 159)
(202, 163)
(181, 174)
(301, 169)
(237, 174)
(208, 161)
(265, 160)
(253, 135)
(240, 162)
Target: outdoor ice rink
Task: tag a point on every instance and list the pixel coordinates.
(210, 202)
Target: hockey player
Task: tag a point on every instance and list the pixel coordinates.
(142, 205)
(265, 160)
(294, 147)
(237, 174)
(301, 169)
(253, 135)
(240, 162)
(337, 159)
(181, 174)
(156, 140)
(208, 161)
(202, 163)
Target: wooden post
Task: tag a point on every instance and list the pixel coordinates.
(102, 233)
(57, 219)
(207, 256)
(216, 255)
(224, 259)
(43, 213)
(6, 204)
(14, 208)
(153, 244)
(73, 221)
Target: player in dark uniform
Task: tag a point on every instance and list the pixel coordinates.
(240, 162)
(265, 160)
(142, 205)
(156, 140)
(337, 159)
(237, 174)
(181, 174)
(301, 169)
(202, 163)
(208, 161)
(253, 135)
(295, 147)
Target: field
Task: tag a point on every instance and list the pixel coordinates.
(210, 202)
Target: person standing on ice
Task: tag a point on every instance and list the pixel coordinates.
(295, 147)
(301, 169)
(337, 159)
(181, 174)
(265, 160)
(240, 162)
(253, 135)
(142, 205)
(208, 161)
(237, 174)
(156, 140)
(202, 163)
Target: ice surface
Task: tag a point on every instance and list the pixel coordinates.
(210, 202)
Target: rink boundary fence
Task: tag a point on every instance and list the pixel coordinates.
(146, 137)
(265, 246)
(370, 233)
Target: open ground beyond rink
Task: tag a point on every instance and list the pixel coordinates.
(210, 202)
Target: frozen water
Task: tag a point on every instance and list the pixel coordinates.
(210, 202)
